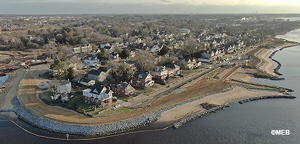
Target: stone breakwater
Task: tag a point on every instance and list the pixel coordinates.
(276, 70)
(221, 107)
(7, 110)
(199, 115)
(266, 97)
(109, 129)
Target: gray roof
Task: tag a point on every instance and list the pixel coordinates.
(125, 87)
(63, 82)
(95, 72)
(98, 72)
(141, 75)
(103, 69)
(98, 90)
(173, 66)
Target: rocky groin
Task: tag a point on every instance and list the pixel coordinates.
(199, 115)
(266, 97)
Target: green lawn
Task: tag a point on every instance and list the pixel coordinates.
(120, 97)
(144, 91)
(116, 111)
(78, 103)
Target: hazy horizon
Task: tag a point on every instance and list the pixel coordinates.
(148, 6)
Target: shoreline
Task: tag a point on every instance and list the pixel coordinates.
(149, 118)
(119, 127)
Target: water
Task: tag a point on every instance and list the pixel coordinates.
(247, 123)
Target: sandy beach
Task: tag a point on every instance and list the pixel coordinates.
(268, 64)
(182, 111)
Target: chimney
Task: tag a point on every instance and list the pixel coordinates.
(108, 87)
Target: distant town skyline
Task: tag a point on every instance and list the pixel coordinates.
(147, 6)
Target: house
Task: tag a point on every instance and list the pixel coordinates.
(99, 75)
(110, 49)
(114, 56)
(173, 70)
(86, 48)
(98, 95)
(191, 63)
(82, 49)
(160, 74)
(87, 82)
(155, 48)
(124, 89)
(142, 79)
(185, 31)
(138, 40)
(208, 54)
(104, 45)
(64, 87)
(91, 61)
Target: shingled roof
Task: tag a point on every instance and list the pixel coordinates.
(141, 75)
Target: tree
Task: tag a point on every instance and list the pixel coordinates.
(58, 65)
(71, 73)
(103, 56)
(166, 60)
(190, 47)
(121, 72)
(165, 50)
(117, 50)
(144, 61)
(125, 53)
(63, 52)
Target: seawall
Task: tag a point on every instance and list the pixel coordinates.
(109, 129)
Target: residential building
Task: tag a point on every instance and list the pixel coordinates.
(104, 45)
(142, 79)
(173, 70)
(91, 61)
(99, 75)
(124, 89)
(191, 63)
(64, 87)
(87, 82)
(82, 49)
(98, 95)
(160, 74)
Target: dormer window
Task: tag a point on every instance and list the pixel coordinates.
(140, 76)
(95, 91)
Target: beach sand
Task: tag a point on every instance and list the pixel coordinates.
(182, 111)
(268, 64)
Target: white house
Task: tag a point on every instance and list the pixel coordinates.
(64, 87)
(91, 61)
(87, 82)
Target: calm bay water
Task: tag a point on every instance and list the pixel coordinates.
(248, 123)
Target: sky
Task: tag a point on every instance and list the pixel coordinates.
(147, 6)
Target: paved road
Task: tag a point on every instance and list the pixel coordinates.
(5, 100)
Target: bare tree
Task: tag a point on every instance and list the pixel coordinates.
(144, 61)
